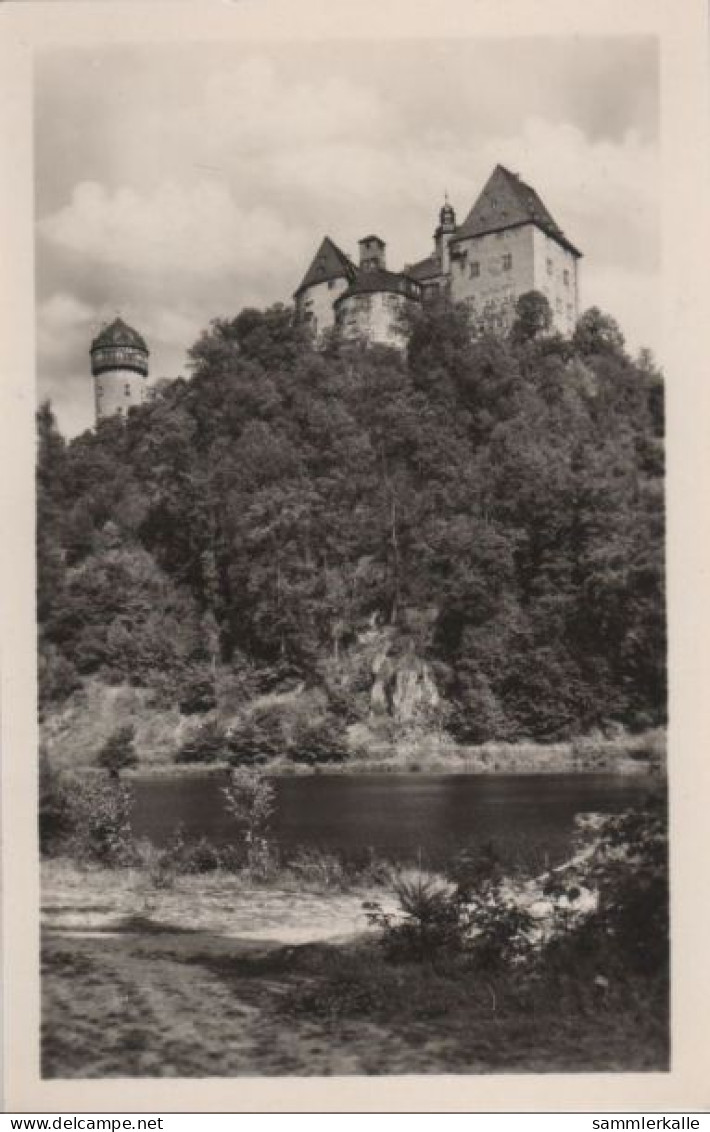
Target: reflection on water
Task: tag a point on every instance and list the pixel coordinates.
(403, 817)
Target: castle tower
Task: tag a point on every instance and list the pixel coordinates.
(328, 276)
(443, 234)
(119, 364)
(507, 245)
(372, 307)
(372, 254)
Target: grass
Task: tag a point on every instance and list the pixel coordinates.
(180, 1004)
(222, 976)
(74, 734)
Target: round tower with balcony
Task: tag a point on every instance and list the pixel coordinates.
(119, 364)
(374, 304)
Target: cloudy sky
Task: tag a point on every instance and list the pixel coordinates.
(177, 184)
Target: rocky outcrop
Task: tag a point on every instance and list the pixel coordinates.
(403, 688)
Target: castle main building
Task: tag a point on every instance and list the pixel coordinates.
(507, 245)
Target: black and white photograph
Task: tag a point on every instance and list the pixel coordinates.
(352, 671)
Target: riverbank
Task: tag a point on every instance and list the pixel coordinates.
(643, 754)
(74, 735)
(222, 977)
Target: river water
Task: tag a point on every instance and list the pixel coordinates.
(404, 817)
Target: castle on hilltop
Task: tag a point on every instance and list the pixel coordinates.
(507, 245)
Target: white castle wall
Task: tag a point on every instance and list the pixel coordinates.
(493, 292)
(556, 276)
(116, 391)
(537, 262)
(373, 315)
(314, 306)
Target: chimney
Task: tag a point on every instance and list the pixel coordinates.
(372, 253)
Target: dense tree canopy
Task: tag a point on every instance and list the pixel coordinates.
(499, 502)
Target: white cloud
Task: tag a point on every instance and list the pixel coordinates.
(195, 230)
(60, 319)
(604, 194)
(195, 187)
(631, 297)
(252, 105)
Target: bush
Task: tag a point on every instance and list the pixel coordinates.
(101, 822)
(249, 798)
(431, 920)
(319, 742)
(257, 738)
(118, 752)
(56, 675)
(472, 915)
(55, 814)
(628, 868)
(207, 744)
(197, 694)
(164, 864)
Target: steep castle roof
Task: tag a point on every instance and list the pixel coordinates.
(368, 282)
(429, 268)
(119, 333)
(329, 262)
(507, 202)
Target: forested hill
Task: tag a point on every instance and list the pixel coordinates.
(493, 508)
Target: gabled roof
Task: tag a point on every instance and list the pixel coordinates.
(429, 268)
(329, 262)
(507, 202)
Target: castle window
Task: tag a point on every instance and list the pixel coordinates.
(549, 266)
(474, 270)
(507, 261)
(565, 276)
(127, 390)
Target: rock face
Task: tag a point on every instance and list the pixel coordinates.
(403, 688)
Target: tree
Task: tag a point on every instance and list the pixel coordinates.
(118, 752)
(249, 798)
(533, 316)
(597, 333)
(496, 502)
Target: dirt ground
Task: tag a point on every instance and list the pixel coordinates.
(217, 979)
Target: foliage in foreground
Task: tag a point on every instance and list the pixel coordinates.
(465, 953)
(621, 866)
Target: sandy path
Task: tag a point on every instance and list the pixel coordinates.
(98, 901)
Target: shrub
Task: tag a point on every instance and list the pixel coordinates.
(207, 744)
(627, 865)
(257, 738)
(118, 752)
(101, 825)
(249, 798)
(56, 675)
(55, 815)
(432, 919)
(197, 694)
(474, 914)
(164, 864)
(322, 741)
(320, 870)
